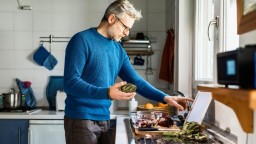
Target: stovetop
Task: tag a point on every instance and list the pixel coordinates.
(21, 109)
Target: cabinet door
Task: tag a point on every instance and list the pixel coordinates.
(13, 131)
(46, 132)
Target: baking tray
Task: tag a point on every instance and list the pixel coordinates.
(155, 130)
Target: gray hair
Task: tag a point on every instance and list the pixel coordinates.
(120, 7)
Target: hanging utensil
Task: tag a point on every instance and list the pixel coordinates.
(149, 70)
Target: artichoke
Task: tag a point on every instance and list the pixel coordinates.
(190, 131)
(128, 88)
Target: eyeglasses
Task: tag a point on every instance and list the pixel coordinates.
(126, 29)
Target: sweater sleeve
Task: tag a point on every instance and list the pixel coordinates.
(75, 60)
(144, 88)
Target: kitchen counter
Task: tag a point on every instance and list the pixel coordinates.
(120, 116)
(40, 114)
(46, 114)
(123, 131)
(122, 135)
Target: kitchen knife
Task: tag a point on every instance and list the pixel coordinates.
(147, 129)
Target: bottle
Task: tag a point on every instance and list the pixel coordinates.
(23, 99)
(133, 105)
(1, 102)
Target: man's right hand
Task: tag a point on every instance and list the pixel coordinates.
(115, 93)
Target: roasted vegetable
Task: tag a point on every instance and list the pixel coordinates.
(191, 128)
(128, 88)
(165, 122)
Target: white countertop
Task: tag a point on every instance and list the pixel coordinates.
(121, 134)
(41, 114)
(46, 114)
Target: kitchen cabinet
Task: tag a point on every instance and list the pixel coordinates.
(52, 131)
(13, 131)
(44, 127)
(240, 100)
(46, 132)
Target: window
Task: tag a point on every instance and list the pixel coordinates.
(204, 49)
(231, 37)
(222, 38)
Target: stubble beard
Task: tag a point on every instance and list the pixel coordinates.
(111, 32)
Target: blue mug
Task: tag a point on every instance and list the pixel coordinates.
(138, 60)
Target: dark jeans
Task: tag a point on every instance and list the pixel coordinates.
(80, 131)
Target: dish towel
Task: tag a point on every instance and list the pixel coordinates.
(167, 63)
(40, 55)
(44, 58)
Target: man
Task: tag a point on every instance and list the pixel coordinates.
(93, 60)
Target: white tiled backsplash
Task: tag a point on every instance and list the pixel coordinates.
(20, 31)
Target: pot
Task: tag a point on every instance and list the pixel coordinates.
(11, 100)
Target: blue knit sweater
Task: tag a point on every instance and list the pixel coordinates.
(92, 64)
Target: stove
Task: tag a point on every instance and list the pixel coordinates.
(17, 110)
(13, 110)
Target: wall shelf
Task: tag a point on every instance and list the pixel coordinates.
(140, 48)
(136, 42)
(140, 52)
(242, 101)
